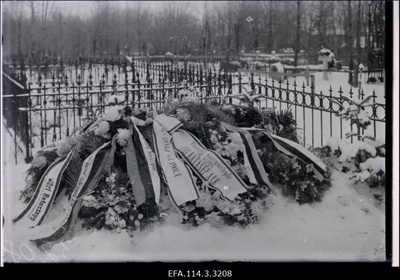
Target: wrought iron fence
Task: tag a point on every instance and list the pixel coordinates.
(47, 109)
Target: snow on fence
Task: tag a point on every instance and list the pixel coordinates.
(50, 104)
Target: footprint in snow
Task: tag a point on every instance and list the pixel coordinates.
(342, 201)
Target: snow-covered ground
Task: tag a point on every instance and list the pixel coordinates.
(348, 225)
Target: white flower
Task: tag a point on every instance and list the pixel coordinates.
(149, 121)
(215, 220)
(91, 201)
(184, 93)
(233, 149)
(206, 201)
(111, 218)
(258, 208)
(113, 113)
(269, 128)
(102, 129)
(123, 137)
(113, 177)
(163, 214)
(192, 99)
(228, 108)
(223, 206)
(66, 146)
(120, 208)
(121, 223)
(39, 161)
(236, 139)
(235, 209)
(183, 115)
(214, 139)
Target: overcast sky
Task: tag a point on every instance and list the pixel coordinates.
(82, 7)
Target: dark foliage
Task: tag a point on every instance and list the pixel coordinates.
(35, 173)
(297, 178)
(282, 123)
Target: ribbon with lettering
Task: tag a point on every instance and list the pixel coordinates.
(39, 205)
(254, 166)
(294, 149)
(62, 225)
(181, 186)
(142, 168)
(208, 165)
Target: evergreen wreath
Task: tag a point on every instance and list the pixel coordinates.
(296, 177)
(112, 204)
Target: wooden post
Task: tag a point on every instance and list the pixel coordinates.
(325, 67)
(355, 76)
(312, 83)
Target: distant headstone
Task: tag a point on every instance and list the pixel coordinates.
(326, 56)
(277, 68)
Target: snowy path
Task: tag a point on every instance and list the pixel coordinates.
(347, 225)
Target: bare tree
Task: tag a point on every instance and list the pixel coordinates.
(127, 46)
(358, 32)
(349, 33)
(32, 29)
(298, 28)
(95, 26)
(46, 10)
(39, 30)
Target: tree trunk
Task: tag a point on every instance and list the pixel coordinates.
(237, 37)
(270, 34)
(310, 49)
(32, 32)
(126, 47)
(139, 28)
(369, 47)
(335, 39)
(19, 39)
(358, 32)
(350, 34)
(297, 42)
